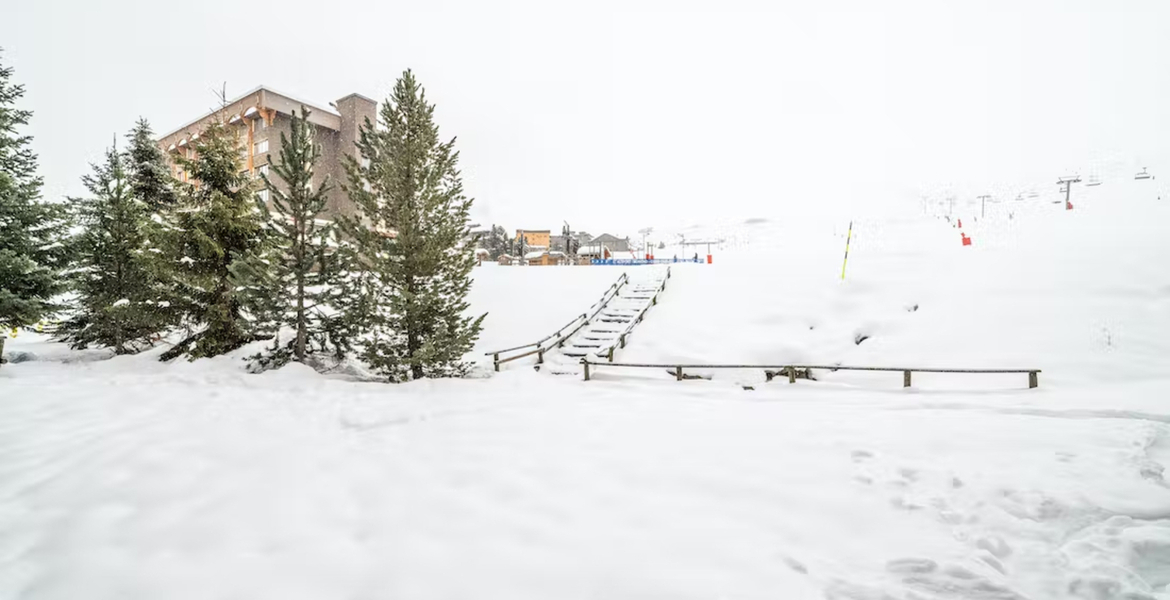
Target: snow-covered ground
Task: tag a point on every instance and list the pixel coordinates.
(126, 478)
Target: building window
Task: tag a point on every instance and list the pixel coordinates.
(263, 170)
(261, 147)
(263, 195)
(261, 123)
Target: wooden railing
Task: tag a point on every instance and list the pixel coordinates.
(791, 371)
(558, 337)
(625, 334)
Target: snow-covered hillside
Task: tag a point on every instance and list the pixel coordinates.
(1082, 294)
(127, 478)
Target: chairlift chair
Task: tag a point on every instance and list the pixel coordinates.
(1093, 181)
(1143, 175)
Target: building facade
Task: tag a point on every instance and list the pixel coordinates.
(534, 238)
(260, 116)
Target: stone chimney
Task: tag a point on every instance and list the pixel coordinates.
(354, 110)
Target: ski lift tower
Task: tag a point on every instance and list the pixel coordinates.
(645, 232)
(1066, 187)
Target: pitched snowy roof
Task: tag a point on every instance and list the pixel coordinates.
(260, 88)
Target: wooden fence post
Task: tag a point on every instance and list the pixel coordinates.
(678, 373)
(611, 354)
(496, 360)
(791, 374)
(905, 379)
(540, 357)
(1033, 379)
(622, 340)
(586, 363)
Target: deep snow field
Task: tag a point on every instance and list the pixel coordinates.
(124, 478)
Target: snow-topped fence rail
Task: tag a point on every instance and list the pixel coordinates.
(559, 336)
(791, 371)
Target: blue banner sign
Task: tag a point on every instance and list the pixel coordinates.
(643, 261)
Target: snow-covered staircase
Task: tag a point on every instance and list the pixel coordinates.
(610, 327)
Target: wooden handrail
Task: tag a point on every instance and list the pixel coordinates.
(791, 369)
(621, 339)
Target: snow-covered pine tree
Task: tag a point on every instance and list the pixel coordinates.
(32, 254)
(151, 183)
(291, 280)
(115, 292)
(497, 242)
(217, 222)
(409, 235)
(149, 175)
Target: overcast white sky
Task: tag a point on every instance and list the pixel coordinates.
(615, 116)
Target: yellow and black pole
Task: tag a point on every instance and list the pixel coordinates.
(848, 237)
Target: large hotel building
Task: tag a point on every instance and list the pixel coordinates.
(261, 115)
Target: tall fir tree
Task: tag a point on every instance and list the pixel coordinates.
(216, 224)
(409, 240)
(290, 279)
(152, 184)
(116, 296)
(149, 175)
(32, 255)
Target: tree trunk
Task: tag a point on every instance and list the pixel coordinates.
(412, 335)
(299, 348)
(118, 321)
(2, 337)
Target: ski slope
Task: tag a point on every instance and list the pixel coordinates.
(124, 478)
(1081, 294)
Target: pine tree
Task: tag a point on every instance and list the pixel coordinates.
(409, 240)
(32, 255)
(497, 242)
(151, 183)
(116, 295)
(150, 176)
(292, 277)
(216, 224)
